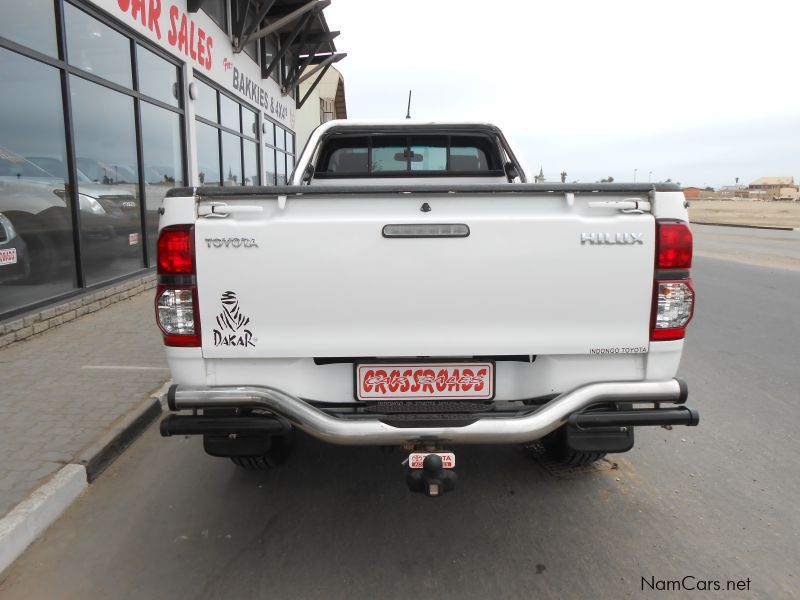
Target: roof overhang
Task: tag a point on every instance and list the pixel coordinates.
(305, 41)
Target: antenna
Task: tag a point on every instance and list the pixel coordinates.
(408, 112)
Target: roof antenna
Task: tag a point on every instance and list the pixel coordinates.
(408, 112)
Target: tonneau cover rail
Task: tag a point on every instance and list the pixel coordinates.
(439, 188)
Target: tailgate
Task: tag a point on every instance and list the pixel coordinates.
(317, 278)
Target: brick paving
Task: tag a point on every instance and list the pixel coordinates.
(52, 406)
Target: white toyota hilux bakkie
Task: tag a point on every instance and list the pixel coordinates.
(411, 287)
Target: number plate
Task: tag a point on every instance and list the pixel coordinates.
(425, 381)
(8, 256)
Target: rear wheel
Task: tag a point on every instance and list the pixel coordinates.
(280, 447)
(556, 447)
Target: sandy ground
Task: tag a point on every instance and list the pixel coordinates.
(745, 212)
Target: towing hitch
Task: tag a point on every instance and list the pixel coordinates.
(431, 473)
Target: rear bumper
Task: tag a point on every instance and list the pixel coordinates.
(360, 429)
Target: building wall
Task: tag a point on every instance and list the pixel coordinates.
(310, 116)
(100, 116)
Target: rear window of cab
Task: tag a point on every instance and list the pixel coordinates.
(408, 155)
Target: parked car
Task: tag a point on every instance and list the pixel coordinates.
(14, 261)
(410, 288)
(35, 200)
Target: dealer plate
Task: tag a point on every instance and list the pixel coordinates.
(8, 256)
(425, 381)
(416, 459)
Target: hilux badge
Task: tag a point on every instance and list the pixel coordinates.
(611, 238)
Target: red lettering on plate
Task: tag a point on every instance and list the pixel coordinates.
(380, 386)
(481, 380)
(366, 383)
(441, 380)
(406, 385)
(394, 380)
(428, 377)
(209, 43)
(466, 379)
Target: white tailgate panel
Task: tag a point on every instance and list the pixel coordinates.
(324, 282)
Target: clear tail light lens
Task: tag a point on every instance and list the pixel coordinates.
(176, 309)
(673, 308)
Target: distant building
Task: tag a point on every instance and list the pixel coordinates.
(773, 188)
(692, 192)
(540, 177)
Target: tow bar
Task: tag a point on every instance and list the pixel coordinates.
(431, 473)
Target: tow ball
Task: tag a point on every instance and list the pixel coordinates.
(431, 473)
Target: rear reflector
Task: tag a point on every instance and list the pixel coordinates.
(177, 315)
(423, 230)
(176, 250)
(673, 306)
(674, 245)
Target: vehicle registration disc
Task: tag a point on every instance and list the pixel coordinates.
(425, 381)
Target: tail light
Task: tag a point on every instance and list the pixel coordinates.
(674, 244)
(177, 308)
(673, 294)
(673, 306)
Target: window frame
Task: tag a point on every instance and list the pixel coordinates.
(219, 92)
(66, 72)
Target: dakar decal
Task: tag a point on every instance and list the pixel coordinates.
(232, 324)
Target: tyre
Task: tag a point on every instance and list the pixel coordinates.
(278, 453)
(556, 448)
(44, 259)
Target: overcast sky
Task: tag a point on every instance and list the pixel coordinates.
(699, 91)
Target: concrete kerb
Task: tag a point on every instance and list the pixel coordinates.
(33, 515)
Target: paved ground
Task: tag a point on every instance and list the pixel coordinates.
(63, 389)
(715, 502)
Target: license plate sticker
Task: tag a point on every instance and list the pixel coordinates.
(421, 381)
(416, 459)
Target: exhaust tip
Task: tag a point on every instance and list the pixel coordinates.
(171, 397)
(683, 393)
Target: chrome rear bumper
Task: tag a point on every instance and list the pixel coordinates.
(373, 431)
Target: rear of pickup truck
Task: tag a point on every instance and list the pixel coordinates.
(411, 289)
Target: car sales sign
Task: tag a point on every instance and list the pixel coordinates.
(195, 37)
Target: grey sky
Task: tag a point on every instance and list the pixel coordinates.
(699, 91)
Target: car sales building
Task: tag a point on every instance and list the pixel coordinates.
(107, 104)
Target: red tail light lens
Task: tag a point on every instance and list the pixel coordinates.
(674, 245)
(176, 250)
